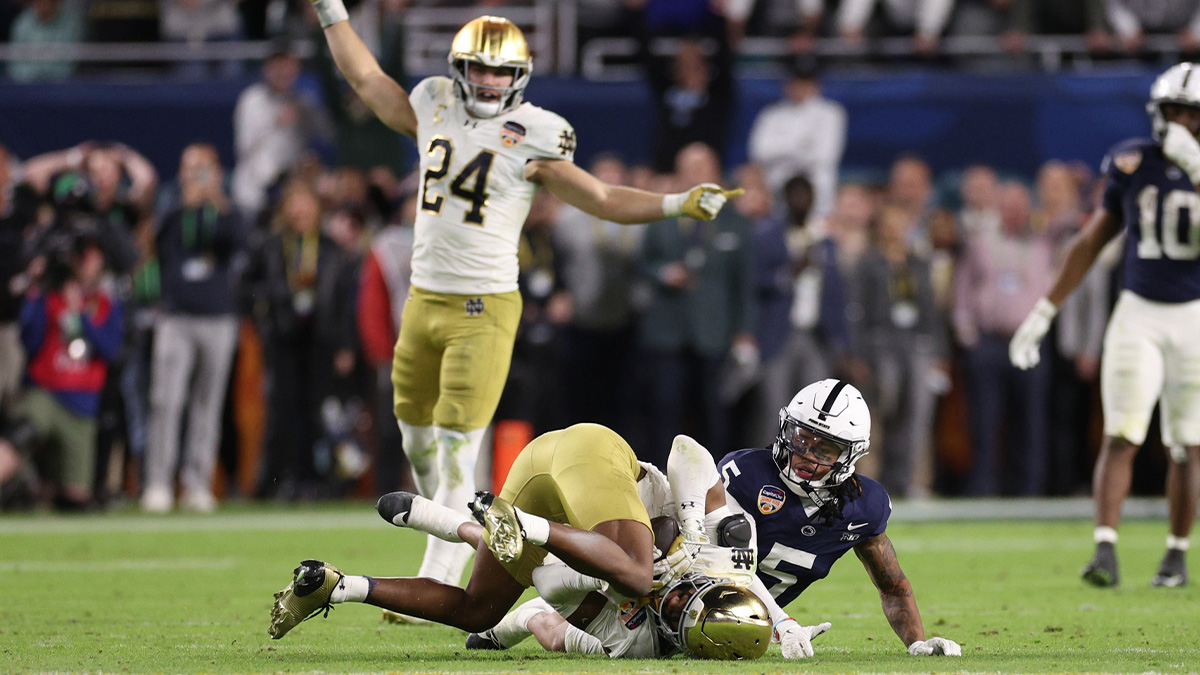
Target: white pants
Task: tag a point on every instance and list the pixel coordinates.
(1152, 354)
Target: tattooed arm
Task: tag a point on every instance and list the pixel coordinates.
(895, 592)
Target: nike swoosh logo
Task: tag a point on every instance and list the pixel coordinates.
(855, 526)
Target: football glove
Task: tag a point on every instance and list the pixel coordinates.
(1181, 147)
(1023, 349)
(935, 647)
(674, 564)
(702, 202)
(795, 641)
(330, 11)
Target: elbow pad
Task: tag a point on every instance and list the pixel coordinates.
(734, 531)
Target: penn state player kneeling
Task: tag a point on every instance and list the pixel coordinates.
(808, 508)
(1151, 351)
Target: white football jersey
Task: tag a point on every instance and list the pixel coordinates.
(473, 195)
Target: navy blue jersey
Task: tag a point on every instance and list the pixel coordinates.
(1160, 211)
(793, 549)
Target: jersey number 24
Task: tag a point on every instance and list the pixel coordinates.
(475, 173)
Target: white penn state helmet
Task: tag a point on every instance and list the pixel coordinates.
(834, 410)
(1179, 84)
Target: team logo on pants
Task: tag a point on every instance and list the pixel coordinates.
(474, 306)
(770, 499)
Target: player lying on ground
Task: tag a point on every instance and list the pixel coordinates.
(807, 508)
(585, 475)
(620, 628)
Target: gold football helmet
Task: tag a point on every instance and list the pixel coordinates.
(494, 42)
(717, 620)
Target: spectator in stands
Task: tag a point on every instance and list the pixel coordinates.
(194, 22)
(702, 313)
(694, 97)
(195, 335)
(901, 335)
(599, 276)
(47, 22)
(382, 289)
(273, 124)
(1132, 19)
(803, 134)
(811, 314)
(979, 192)
(300, 288)
(111, 182)
(71, 330)
(850, 223)
(1002, 275)
(924, 20)
(1078, 330)
(910, 188)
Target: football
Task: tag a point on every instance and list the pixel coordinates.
(666, 530)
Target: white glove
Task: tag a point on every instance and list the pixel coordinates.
(675, 564)
(702, 202)
(935, 647)
(795, 641)
(1023, 350)
(1181, 147)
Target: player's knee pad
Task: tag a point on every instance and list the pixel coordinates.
(734, 531)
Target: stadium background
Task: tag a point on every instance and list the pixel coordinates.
(972, 101)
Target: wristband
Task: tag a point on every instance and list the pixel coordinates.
(672, 205)
(330, 12)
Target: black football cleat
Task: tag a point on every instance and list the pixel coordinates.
(1102, 570)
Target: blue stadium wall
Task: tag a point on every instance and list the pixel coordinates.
(1013, 122)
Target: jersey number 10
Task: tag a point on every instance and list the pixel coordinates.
(475, 172)
(1172, 246)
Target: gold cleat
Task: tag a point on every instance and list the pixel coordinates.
(502, 530)
(304, 598)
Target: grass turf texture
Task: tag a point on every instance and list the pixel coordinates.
(128, 593)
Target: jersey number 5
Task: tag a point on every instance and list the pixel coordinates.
(475, 172)
(783, 563)
(1172, 245)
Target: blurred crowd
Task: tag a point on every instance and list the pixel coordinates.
(851, 29)
(228, 331)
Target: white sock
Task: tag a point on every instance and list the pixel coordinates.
(1177, 543)
(514, 627)
(579, 642)
(691, 472)
(1104, 534)
(561, 585)
(433, 518)
(420, 446)
(537, 528)
(456, 455)
(351, 589)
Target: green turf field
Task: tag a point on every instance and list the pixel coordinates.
(185, 594)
